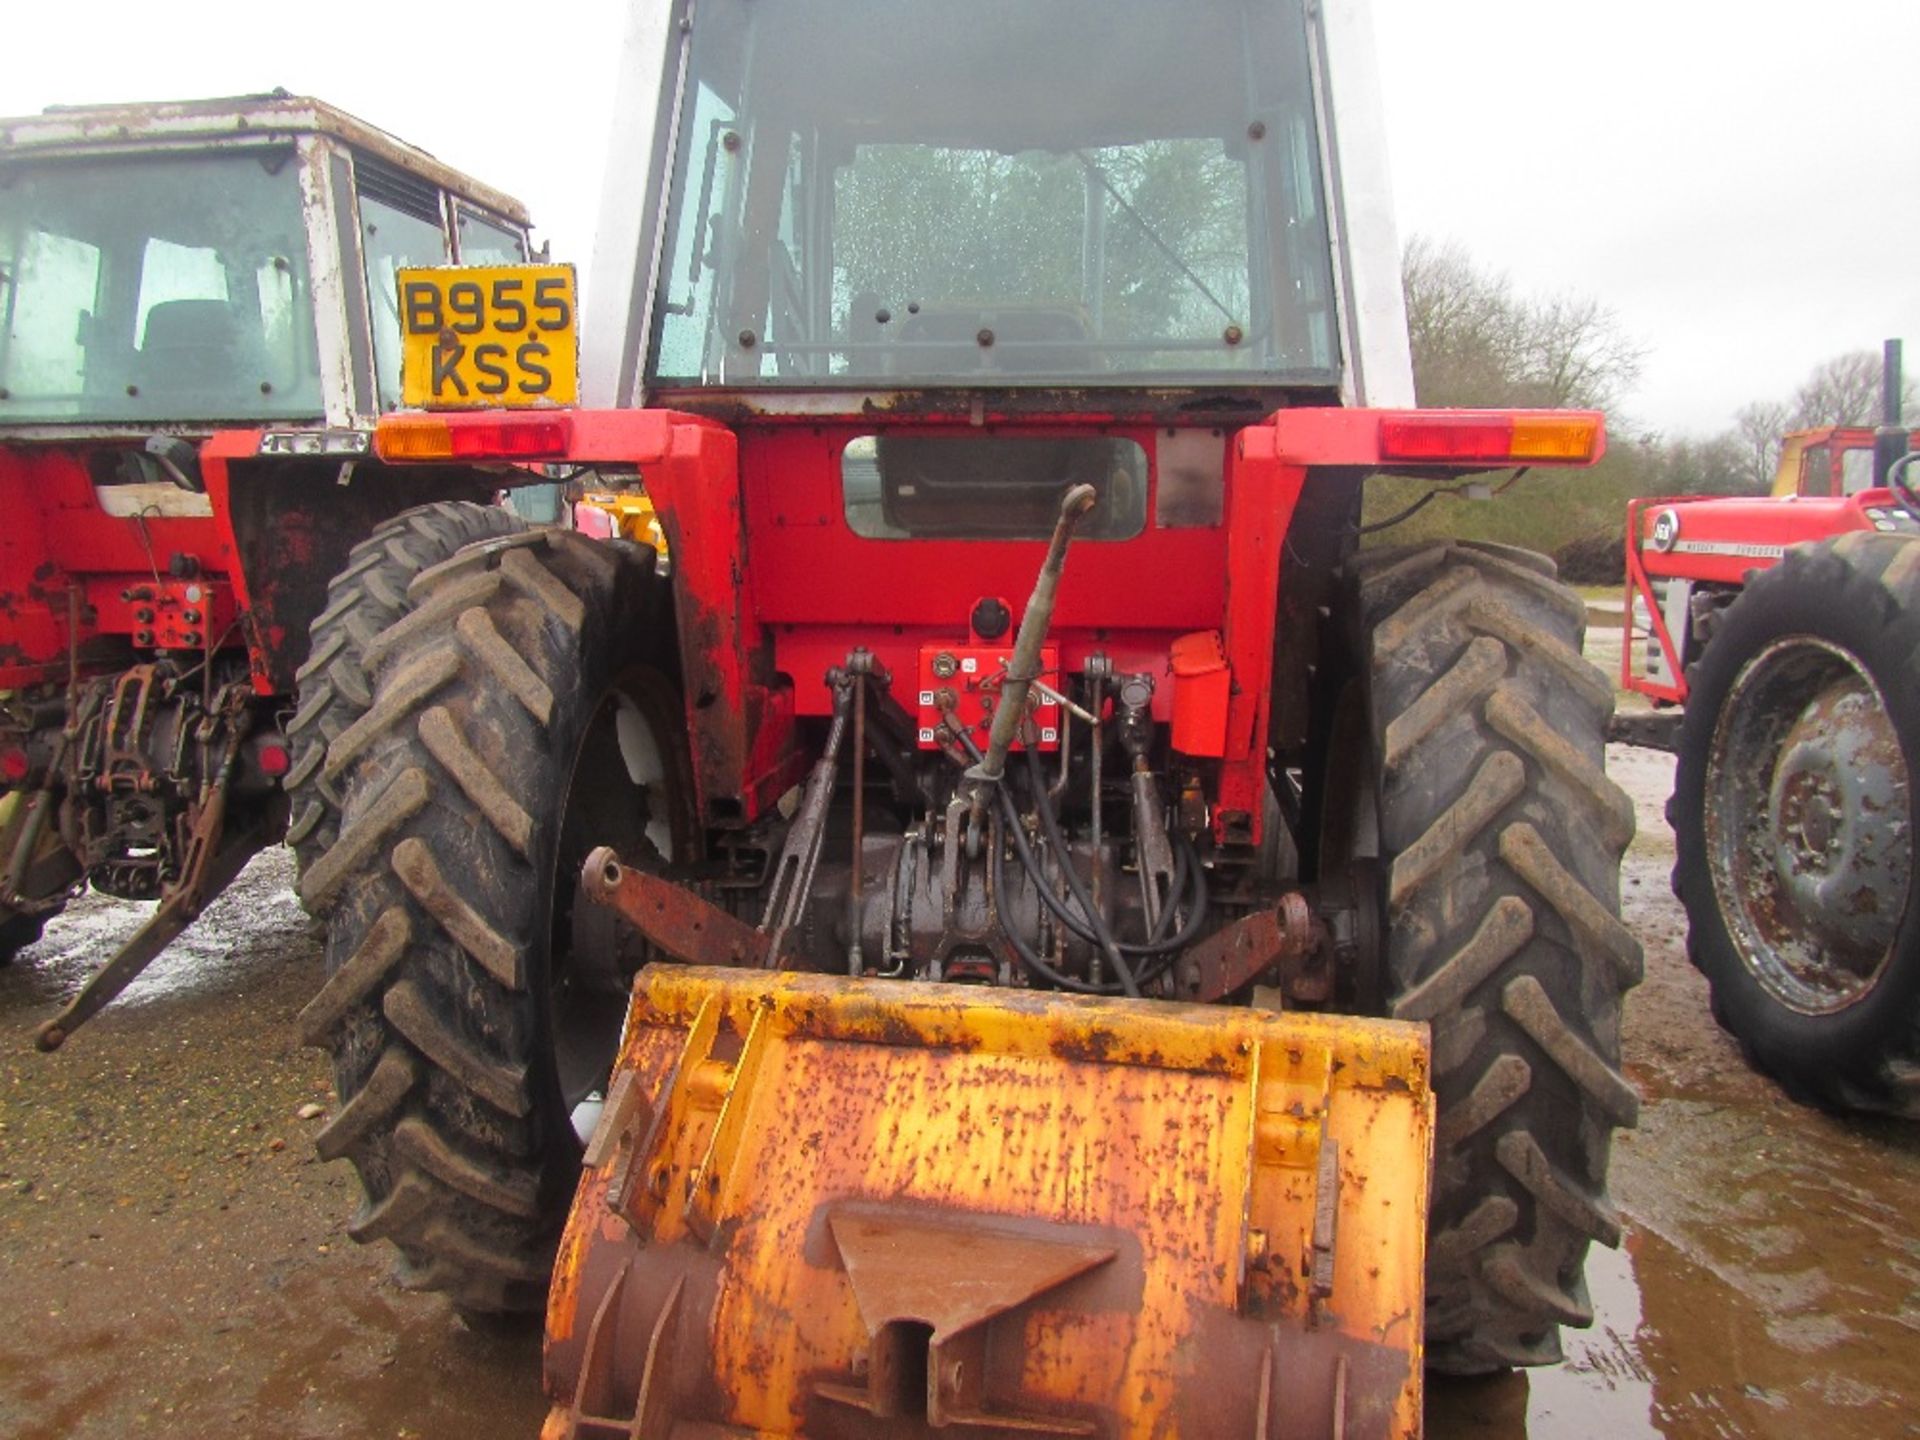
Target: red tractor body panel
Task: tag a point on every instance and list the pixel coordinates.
(758, 635)
(65, 561)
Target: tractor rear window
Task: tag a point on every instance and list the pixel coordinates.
(1001, 193)
(156, 288)
(990, 487)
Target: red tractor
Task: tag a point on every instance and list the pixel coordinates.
(1788, 628)
(967, 940)
(199, 330)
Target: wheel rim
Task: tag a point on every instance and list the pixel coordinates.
(1808, 825)
(626, 791)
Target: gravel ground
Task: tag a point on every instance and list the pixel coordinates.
(176, 1262)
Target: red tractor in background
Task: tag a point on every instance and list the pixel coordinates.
(197, 332)
(1789, 629)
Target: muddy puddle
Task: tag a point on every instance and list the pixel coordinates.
(175, 1262)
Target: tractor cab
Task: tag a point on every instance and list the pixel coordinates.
(212, 263)
(1007, 198)
(1824, 464)
(1832, 463)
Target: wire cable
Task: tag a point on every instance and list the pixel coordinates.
(1451, 493)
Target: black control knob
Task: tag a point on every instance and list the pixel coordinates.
(991, 619)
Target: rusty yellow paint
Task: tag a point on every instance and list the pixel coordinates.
(1259, 1182)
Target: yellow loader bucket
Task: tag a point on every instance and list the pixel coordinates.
(863, 1208)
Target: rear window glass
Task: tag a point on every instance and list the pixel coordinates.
(990, 487)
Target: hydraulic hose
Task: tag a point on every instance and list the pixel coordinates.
(1047, 972)
(1100, 935)
(1027, 956)
(1196, 916)
(1089, 925)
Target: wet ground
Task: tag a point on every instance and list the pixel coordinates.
(175, 1262)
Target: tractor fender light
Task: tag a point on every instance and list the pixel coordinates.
(492, 437)
(410, 437)
(1478, 438)
(315, 442)
(14, 765)
(1547, 439)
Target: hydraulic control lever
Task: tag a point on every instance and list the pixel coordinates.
(1025, 667)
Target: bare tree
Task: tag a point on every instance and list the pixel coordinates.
(1758, 430)
(1475, 342)
(1844, 391)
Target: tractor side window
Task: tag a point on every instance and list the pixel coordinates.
(1856, 471)
(391, 238)
(686, 280)
(990, 487)
(49, 288)
(482, 242)
(1816, 472)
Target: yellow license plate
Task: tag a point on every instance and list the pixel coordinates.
(479, 336)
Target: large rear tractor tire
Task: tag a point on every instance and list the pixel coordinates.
(1479, 788)
(362, 601)
(1795, 807)
(520, 716)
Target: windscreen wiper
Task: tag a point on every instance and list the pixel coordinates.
(1153, 235)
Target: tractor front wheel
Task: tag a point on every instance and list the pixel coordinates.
(1794, 810)
(519, 717)
(1476, 786)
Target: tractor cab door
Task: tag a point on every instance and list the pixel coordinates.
(1816, 471)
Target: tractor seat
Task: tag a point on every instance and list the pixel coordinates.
(193, 345)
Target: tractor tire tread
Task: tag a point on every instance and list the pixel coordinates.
(469, 1170)
(335, 683)
(1504, 837)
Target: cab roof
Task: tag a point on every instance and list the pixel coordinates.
(166, 124)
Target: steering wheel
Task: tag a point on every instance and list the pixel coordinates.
(1897, 482)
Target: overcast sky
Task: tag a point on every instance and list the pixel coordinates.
(1738, 179)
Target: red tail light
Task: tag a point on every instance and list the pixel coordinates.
(488, 437)
(1487, 438)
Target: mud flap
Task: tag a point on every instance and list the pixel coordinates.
(828, 1207)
